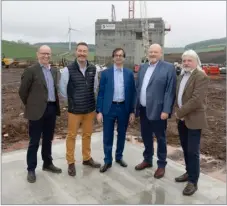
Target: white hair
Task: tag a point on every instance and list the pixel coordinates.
(194, 55)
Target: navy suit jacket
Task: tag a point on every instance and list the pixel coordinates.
(161, 90)
(106, 91)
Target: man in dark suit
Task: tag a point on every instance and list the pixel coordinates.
(156, 87)
(192, 89)
(115, 102)
(38, 92)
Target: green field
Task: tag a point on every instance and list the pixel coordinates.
(25, 51)
(17, 50)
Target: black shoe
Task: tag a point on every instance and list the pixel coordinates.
(105, 167)
(31, 177)
(122, 163)
(92, 163)
(52, 168)
(190, 189)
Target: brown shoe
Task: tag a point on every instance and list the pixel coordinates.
(143, 165)
(72, 170)
(182, 178)
(92, 163)
(159, 173)
(190, 189)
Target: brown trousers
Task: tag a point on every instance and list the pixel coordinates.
(74, 121)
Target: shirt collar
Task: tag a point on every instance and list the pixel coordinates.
(150, 64)
(80, 66)
(46, 67)
(188, 72)
(116, 68)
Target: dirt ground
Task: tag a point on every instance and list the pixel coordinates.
(213, 143)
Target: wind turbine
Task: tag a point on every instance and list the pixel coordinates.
(69, 33)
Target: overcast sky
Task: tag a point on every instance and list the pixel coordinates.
(48, 21)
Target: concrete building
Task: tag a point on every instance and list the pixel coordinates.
(128, 35)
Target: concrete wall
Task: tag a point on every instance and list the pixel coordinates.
(126, 34)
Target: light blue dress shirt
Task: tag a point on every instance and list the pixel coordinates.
(146, 79)
(119, 89)
(49, 82)
(64, 79)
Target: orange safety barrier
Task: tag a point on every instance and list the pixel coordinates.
(211, 70)
(214, 70)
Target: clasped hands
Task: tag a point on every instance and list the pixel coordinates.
(100, 118)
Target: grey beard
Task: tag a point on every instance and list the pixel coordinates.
(187, 69)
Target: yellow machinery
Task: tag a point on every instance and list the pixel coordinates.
(6, 62)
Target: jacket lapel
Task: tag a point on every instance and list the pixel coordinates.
(112, 78)
(189, 80)
(54, 76)
(41, 75)
(144, 72)
(178, 83)
(125, 79)
(156, 70)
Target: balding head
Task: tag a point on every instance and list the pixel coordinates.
(154, 53)
(44, 54)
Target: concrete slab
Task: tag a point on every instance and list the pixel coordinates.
(116, 186)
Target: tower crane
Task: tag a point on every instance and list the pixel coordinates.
(113, 13)
(145, 27)
(131, 9)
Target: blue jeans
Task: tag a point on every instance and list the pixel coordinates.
(158, 128)
(117, 113)
(190, 142)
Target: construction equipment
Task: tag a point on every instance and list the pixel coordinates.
(113, 13)
(6, 62)
(144, 26)
(211, 69)
(131, 9)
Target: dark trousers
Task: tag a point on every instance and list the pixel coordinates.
(148, 129)
(190, 142)
(43, 127)
(117, 113)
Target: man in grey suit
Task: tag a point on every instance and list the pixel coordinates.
(156, 87)
(38, 92)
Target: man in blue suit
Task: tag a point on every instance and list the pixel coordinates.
(115, 102)
(156, 87)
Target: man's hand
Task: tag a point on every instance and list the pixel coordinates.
(182, 119)
(99, 118)
(164, 116)
(131, 118)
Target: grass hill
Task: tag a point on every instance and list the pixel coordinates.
(18, 49)
(211, 43)
(25, 50)
(21, 50)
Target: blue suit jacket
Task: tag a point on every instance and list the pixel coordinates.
(106, 91)
(161, 90)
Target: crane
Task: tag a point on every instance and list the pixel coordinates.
(145, 27)
(131, 9)
(113, 13)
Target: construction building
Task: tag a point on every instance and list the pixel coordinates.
(128, 35)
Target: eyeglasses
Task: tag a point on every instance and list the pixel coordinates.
(45, 54)
(118, 56)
